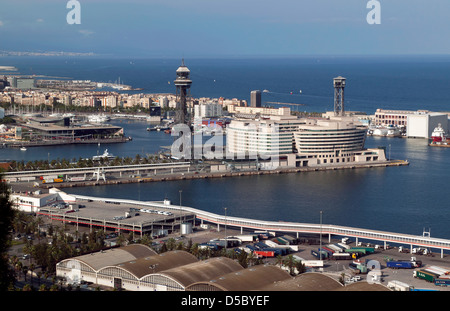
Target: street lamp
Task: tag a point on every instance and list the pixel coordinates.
(226, 241)
(320, 238)
(180, 211)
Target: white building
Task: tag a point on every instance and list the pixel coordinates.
(301, 142)
(208, 110)
(271, 136)
(422, 124)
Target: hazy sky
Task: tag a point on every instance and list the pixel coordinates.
(189, 28)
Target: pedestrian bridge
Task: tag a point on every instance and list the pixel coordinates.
(293, 227)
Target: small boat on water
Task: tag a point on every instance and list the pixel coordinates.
(106, 156)
(23, 149)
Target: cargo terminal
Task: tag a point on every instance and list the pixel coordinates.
(107, 215)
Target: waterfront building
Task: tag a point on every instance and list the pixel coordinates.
(302, 142)
(271, 136)
(333, 141)
(385, 117)
(421, 124)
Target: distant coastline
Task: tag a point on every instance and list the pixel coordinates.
(48, 53)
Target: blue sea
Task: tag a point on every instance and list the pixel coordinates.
(406, 199)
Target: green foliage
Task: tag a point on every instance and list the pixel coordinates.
(6, 220)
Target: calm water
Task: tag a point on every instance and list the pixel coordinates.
(400, 199)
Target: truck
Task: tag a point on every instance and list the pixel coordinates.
(425, 275)
(403, 264)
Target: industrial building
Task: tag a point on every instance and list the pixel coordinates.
(137, 267)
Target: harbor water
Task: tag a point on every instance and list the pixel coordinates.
(406, 199)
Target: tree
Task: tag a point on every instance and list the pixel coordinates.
(6, 220)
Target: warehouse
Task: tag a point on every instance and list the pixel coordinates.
(178, 278)
(125, 268)
(253, 278)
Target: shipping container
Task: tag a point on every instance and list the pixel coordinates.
(58, 180)
(47, 181)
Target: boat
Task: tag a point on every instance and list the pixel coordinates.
(98, 118)
(106, 156)
(438, 134)
(23, 149)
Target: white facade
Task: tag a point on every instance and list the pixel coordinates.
(272, 136)
(421, 125)
(208, 110)
(305, 142)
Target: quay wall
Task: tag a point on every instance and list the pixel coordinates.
(194, 175)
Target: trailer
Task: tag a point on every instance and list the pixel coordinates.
(442, 270)
(264, 254)
(334, 248)
(366, 249)
(319, 254)
(47, 181)
(341, 256)
(442, 282)
(401, 264)
(247, 237)
(344, 246)
(399, 286)
(77, 178)
(425, 275)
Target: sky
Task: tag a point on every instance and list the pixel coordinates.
(211, 28)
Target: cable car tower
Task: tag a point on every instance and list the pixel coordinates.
(183, 84)
(339, 84)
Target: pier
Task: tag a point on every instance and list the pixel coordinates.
(113, 175)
